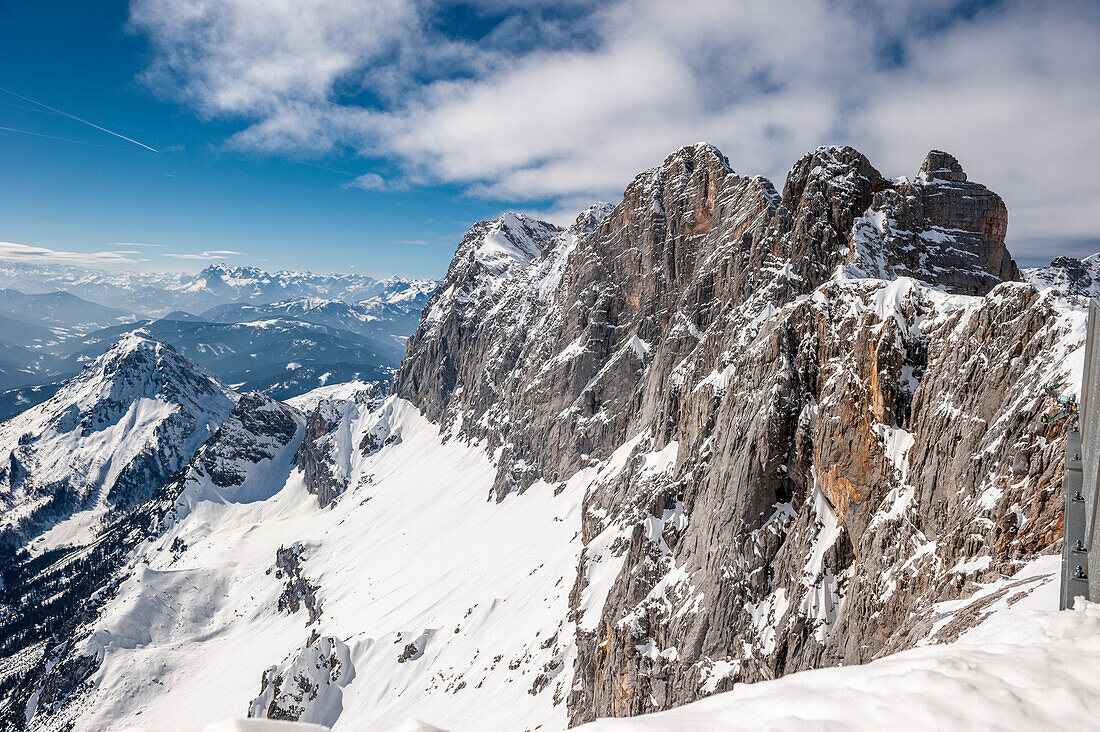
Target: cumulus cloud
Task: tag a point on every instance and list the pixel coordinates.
(11, 252)
(566, 101)
(214, 254)
(253, 56)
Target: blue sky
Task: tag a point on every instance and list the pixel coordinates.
(196, 194)
(335, 134)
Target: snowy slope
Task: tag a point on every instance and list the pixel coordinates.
(413, 555)
(1026, 665)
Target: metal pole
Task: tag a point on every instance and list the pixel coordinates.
(1081, 482)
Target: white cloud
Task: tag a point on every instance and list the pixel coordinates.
(1009, 89)
(375, 182)
(10, 252)
(214, 254)
(253, 56)
(1016, 98)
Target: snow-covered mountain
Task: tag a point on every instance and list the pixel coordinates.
(282, 356)
(271, 345)
(710, 435)
(1080, 277)
(826, 427)
(105, 442)
(385, 319)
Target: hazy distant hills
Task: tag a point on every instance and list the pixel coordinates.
(156, 294)
(283, 332)
(286, 357)
(61, 310)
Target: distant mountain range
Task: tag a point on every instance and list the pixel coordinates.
(283, 333)
(1069, 275)
(156, 294)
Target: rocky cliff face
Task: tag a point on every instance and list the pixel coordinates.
(828, 399)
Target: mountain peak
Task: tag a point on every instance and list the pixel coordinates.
(700, 152)
(136, 342)
(511, 240)
(939, 165)
(106, 440)
(139, 366)
(588, 219)
(836, 166)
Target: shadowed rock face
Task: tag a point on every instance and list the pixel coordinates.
(314, 454)
(846, 376)
(257, 428)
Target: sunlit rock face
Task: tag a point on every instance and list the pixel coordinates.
(824, 395)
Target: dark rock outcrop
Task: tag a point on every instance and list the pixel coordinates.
(256, 429)
(313, 457)
(307, 687)
(324, 475)
(298, 590)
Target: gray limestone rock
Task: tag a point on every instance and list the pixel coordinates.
(846, 374)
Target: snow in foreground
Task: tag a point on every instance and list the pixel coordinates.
(452, 609)
(1021, 669)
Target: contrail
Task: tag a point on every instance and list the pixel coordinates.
(62, 139)
(78, 119)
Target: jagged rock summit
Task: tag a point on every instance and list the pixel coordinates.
(781, 372)
(937, 227)
(690, 239)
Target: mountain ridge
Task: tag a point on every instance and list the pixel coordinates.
(777, 350)
(709, 435)
(157, 293)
